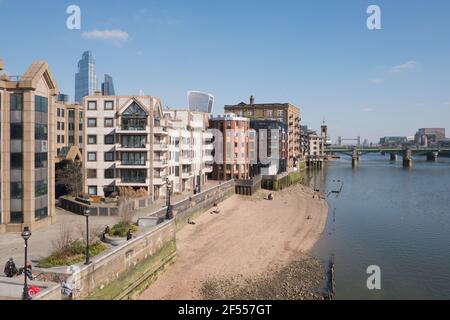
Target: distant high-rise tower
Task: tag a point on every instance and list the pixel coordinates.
(108, 86)
(85, 78)
(200, 101)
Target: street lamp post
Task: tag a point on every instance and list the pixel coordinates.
(88, 258)
(26, 234)
(169, 213)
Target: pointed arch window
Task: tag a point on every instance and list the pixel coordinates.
(134, 118)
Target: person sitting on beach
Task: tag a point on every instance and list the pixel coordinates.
(216, 208)
(270, 196)
(10, 268)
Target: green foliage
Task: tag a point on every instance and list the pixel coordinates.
(284, 182)
(71, 254)
(121, 229)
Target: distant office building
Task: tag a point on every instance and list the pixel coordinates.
(272, 143)
(108, 86)
(392, 141)
(284, 112)
(200, 101)
(27, 149)
(428, 136)
(85, 78)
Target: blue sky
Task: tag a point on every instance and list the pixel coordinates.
(318, 55)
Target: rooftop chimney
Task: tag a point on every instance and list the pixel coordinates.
(252, 99)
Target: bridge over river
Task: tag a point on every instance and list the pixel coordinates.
(405, 152)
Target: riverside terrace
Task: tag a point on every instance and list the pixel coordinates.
(405, 152)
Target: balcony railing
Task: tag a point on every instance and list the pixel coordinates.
(127, 127)
(133, 162)
(141, 179)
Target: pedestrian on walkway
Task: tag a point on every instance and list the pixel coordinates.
(10, 268)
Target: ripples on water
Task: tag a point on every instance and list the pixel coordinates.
(398, 219)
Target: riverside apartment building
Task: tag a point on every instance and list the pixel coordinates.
(122, 135)
(286, 113)
(28, 148)
(189, 156)
(131, 142)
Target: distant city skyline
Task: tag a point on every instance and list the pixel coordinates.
(317, 55)
(108, 86)
(86, 77)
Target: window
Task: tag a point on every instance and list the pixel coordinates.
(40, 131)
(16, 131)
(41, 213)
(280, 113)
(62, 112)
(269, 113)
(92, 156)
(109, 122)
(58, 112)
(109, 139)
(109, 105)
(58, 125)
(40, 104)
(109, 156)
(92, 190)
(16, 217)
(92, 139)
(16, 160)
(16, 190)
(92, 122)
(109, 173)
(40, 160)
(91, 173)
(92, 105)
(16, 102)
(40, 188)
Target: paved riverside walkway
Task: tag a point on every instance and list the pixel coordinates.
(41, 240)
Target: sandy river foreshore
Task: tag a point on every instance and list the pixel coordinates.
(249, 237)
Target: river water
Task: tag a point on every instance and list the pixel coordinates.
(394, 218)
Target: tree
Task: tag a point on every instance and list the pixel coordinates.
(71, 176)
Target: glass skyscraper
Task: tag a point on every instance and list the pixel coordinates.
(85, 78)
(108, 86)
(200, 101)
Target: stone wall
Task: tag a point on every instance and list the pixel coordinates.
(121, 272)
(114, 263)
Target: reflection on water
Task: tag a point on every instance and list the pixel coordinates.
(395, 218)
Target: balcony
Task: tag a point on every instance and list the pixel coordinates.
(208, 159)
(133, 181)
(126, 129)
(159, 181)
(130, 164)
(186, 147)
(208, 169)
(162, 131)
(187, 175)
(208, 135)
(160, 163)
(135, 147)
(185, 161)
(160, 147)
(208, 146)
